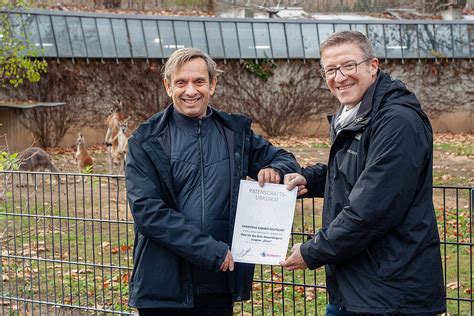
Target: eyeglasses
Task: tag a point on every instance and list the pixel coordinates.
(346, 70)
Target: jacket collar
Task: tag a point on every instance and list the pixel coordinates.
(156, 125)
(369, 105)
(191, 124)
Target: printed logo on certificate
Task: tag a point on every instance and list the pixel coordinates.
(263, 223)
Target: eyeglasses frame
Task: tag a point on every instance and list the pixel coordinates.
(323, 72)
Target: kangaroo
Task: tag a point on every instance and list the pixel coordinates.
(111, 139)
(83, 158)
(119, 151)
(35, 159)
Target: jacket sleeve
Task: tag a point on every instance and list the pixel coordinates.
(159, 222)
(399, 151)
(263, 155)
(315, 180)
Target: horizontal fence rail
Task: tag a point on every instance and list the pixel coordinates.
(66, 248)
(118, 36)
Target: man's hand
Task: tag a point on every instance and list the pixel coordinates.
(295, 179)
(268, 175)
(295, 260)
(228, 262)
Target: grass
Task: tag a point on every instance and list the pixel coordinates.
(320, 145)
(455, 148)
(58, 250)
(72, 260)
(440, 178)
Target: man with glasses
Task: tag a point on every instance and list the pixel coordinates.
(379, 240)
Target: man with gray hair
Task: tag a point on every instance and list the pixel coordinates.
(183, 170)
(379, 240)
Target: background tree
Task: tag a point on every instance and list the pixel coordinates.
(18, 62)
(276, 96)
(434, 6)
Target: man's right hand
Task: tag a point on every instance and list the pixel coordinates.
(295, 180)
(228, 262)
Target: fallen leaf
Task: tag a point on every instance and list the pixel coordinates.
(453, 285)
(124, 248)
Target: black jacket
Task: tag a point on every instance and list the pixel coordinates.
(379, 239)
(166, 244)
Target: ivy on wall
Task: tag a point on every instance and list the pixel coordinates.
(263, 69)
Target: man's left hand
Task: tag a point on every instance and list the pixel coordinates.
(295, 260)
(268, 175)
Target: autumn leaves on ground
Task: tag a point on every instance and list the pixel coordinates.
(77, 237)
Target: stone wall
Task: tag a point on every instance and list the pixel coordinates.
(279, 91)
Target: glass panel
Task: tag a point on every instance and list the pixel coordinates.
(342, 27)
(277, 34)
(183, 39)
(75, 33)
(409, 41)
(136, 38)
(461, 40)
(295, 43)
(152, 39)
(359, 27)
(229, 33)
(121, 38)
(262, 40)
(214, 39)
(92, 38)
(165, 29)
(324, 31)
(471, 36)
(393, 41)
(62, 38)
(17, 24)
(46, 33)
(106, 37)
(376, 37)
(310, 40)
(247, 44)
(198, 35)
(427, 40)
(444, 40)
(32, 33)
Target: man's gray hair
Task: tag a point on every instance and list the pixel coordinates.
(182, 56)
(353, 37)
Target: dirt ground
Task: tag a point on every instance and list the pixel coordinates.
(453, 156)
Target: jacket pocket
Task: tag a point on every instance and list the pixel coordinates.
(158, 274)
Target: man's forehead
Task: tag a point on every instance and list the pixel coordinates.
(341, 53)
(191, 69)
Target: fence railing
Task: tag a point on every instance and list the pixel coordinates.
(66, 248)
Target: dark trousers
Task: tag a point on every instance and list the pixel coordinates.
(204, 305)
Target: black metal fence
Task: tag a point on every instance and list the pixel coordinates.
(66, 248)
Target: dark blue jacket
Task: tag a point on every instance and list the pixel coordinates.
(379, 239)
(166, 245)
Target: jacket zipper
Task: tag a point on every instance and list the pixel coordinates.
(201, 165)
(202, 173)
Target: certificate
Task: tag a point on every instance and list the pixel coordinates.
(263, 223)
